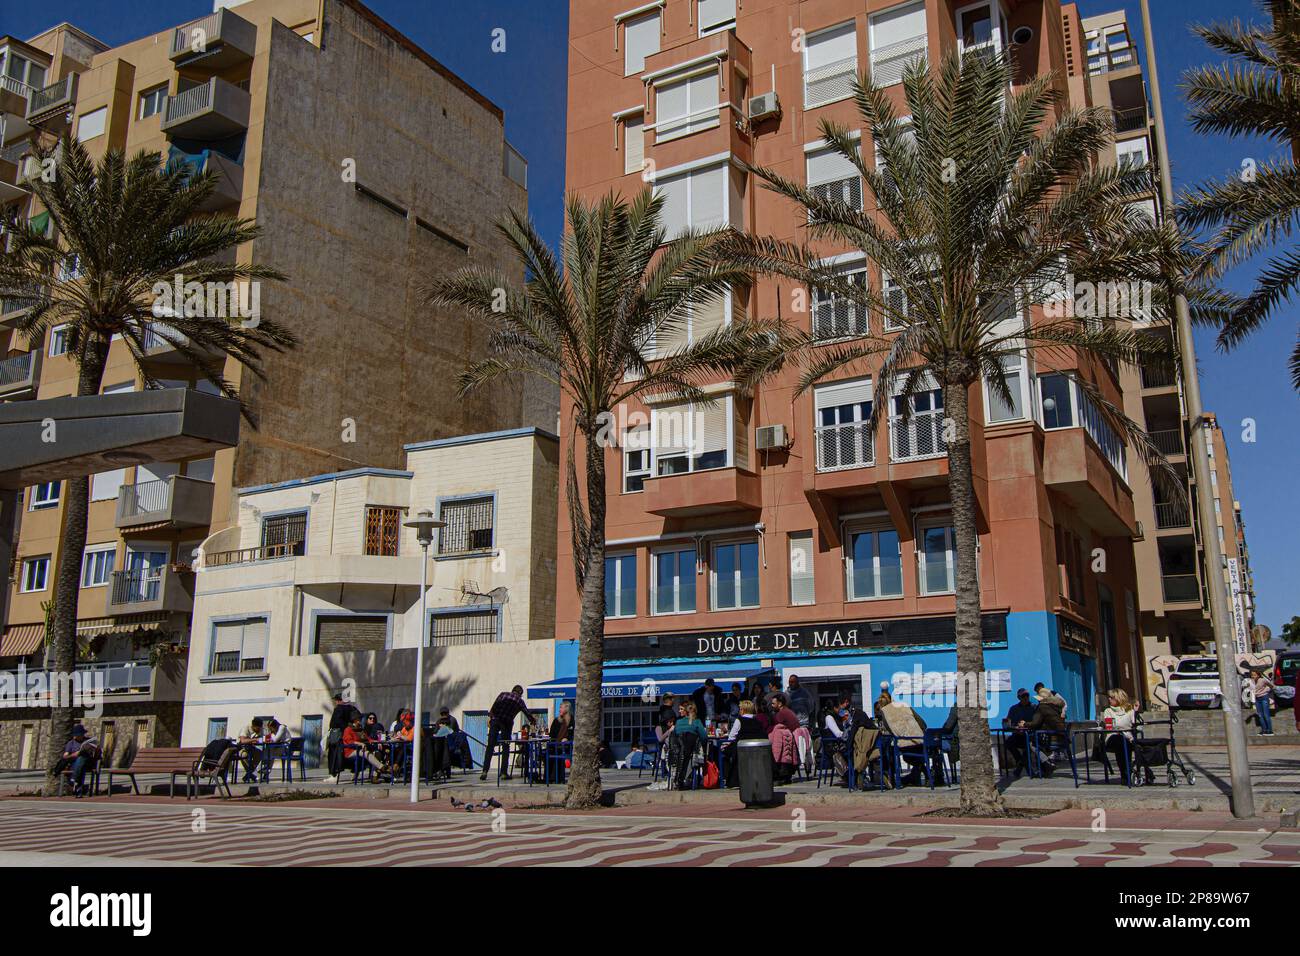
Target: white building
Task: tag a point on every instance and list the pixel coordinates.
(316, 590)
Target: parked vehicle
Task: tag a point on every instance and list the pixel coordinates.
(1195, 684)
(1284, 677)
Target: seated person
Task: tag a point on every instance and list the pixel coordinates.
(80, 754)
(744, 727)
(561, 729)
(689, 735)
(1120, 718)
(1047, 716)
(249, 752)
(1019, 714)
(636, 757)
(905, 724)
(278, 735)
(356, 746)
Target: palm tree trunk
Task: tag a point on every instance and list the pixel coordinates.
(584, 780)
(67, 581)
(979, 792)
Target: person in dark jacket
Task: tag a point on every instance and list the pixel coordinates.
(1018, 715)
(708, 701)
(562, 726)
(501, 719)
(340, 719)
(1047, 716)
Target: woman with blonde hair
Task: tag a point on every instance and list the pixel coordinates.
(1120, 718)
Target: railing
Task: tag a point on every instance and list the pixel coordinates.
(137, 586)
(146, 497)
(828, 83)
(17, 303)
(516, 167)
(1107, 439)
(851, 445)
(203, 29)
(1168, 441)
(1157, 377)
(119, 677)
(847, 191)
(1180, 588)
(16, 86)
(918, 436)
(16, 370)
(15, 151)
(1172, 514)
(50, 96)
(267, 552)
(888, 62)
(193, 101)
(1126, 121)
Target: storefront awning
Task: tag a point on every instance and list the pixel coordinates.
(648, 685)
(19, 640)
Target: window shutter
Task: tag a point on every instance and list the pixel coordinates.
(675, 207)
(708, 318)
(708, 197)
(703, 93)
(339, 634)
(740, 429)
(229, 637)
(640, 39)
(828, 166)
(831, 64)
(254, 642)
(669, 341)
(714, 13)
(802, 589)
(672, 101)
(710, 424)
(896, 26)
(842, 393)
(672, 430)
(633, 145)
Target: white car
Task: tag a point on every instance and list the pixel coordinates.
(1195, 683)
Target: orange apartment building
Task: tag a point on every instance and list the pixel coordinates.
(789, 538)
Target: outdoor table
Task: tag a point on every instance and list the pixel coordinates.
(270, 750)
(1100, 733)
(525, 748)
(718, 745)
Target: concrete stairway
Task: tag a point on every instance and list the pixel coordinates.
(1204, 728)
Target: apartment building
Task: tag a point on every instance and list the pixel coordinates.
(316, 590)
(1175, 618)
(368, 165)
(791, 538)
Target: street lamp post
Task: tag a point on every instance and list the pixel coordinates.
(424, 524)
(1243, 800)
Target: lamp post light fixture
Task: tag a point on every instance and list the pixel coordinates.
(424, 524)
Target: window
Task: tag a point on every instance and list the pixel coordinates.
(1014, 371)
(715, 14)
(686, 106)
(844, 438)
(90, 125)
(692, 437)
(217, 727)
(24, 71)
(874, 565)
(830, 64)
(1132, 153)
(640, 40)
(1056, 402)
(151, 101)
(469, 525)
(895, 297)
(383, 527)
(44, 495)
(636, 460)
(839, 317)
(97, 565)
(1065, 405)
(937, 557)
(694, 200)
(916, 425)
(802, 583)
(735, 575)
(898, 38)
(699, 321)
(105, 485)
(633, 144)
(981, 29)
(464, 627)
(238, 647)
(674, 581)
(58, 340)
(36, 572)
(336, 633)
(833, 177)
(620, 585)
(287, 532)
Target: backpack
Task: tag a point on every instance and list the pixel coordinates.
(213, 751)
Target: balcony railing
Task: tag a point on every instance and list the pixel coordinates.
(210, 110)
(1168, 441)
(177, 500)
(14, 304)
(110, 677)
(195, 34)
(919, 436)
(1180, 588)
(137, 586)
(1172, 514)
(1157, 377)
(57, 96)
(18, 373)
(888, 62)
(216, 41)
(15, 151)
(850, 445)
(267, 552)
(17, 87)
(1126, 121)
(829, 83)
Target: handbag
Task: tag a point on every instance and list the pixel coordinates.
(710, 777)
(334, 738)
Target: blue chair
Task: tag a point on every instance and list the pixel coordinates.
(1051, 742)
(902, 748)
(650, 747)
(826, 760)
(557, 753)
(937, 748)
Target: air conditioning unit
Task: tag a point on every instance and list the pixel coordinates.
(764, 106)
(770, 436)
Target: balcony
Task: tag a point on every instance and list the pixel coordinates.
(1130, 120)
(20, 374)
(918, 437)
(215, 42)
(145, 590)
(708, 492)
(177, 502)
(1168, 441)
(1158, 377)
(211, 110)
(1172, 514)
(14, 95)
(229, 175)
(842, 447)
(267, 552)
(1075, 467)
(1181, 588)
(52, 101)
(888, 62)
(13, 306)
(138, 680)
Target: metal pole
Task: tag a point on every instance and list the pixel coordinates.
(1243, 799)
(419, 675)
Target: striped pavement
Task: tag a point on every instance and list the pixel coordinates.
(214, 833)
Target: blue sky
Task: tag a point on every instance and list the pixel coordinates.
(528, 82)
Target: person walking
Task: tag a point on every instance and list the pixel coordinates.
(501, 719)
(1262, 685)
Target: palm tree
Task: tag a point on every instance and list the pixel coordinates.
(588, 320)
(124, 229)
(982, 209)
(1257, 93)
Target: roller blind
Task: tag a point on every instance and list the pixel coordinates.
(828, 166)
(843, 393)
(229, 637)
(708, 197)
(708, 318)
(833, 45)
(254, 640)
(672, 429)
(801, 568)
(640, 39)
(710, 422)
(633, 144)
(714, 13)
(676, 208)
(895, 26)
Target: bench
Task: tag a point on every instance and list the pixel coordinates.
(174, 761)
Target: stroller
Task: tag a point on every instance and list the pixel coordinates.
(1150, 752)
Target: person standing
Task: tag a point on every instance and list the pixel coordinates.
(708, 701)
(501, 719)
(1262, 684)
(340, 719)
(801, 701)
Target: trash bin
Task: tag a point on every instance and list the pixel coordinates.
(754, 768)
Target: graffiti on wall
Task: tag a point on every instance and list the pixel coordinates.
(1163, 665)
